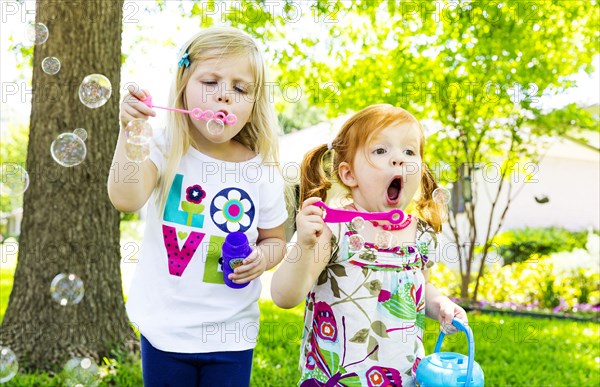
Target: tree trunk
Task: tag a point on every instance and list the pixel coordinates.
(69, 224)
(464, 287)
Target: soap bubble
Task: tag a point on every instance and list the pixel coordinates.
(14, 179)
(9, 366)
(441, 196)
(215, 126)
(137, 153)
(383, 240)
(355, 242)
(37, 33)
(358, 223)
(68, 149)
(66, 289)
(95, 90)
(81, 372)
(51, 65)
(81, 133)
(138, 132)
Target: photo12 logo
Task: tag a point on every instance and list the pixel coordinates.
(67, 11)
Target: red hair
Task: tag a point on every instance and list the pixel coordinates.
(352, 137)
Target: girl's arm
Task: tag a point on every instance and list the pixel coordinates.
(131, 184)
(305, 260)
(441, 308)
(270, 248)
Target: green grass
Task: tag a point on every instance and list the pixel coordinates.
(513, 351)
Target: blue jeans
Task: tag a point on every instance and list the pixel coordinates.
(162, 369)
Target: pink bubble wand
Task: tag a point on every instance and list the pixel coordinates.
(218, 118)
(335, 215)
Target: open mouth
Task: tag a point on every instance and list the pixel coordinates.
(393, 191)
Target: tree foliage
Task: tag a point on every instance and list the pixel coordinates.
(477, 70)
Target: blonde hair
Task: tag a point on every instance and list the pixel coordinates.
(352, 137)
(260, 134)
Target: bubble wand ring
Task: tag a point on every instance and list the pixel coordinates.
(335, 215)
(197, 113)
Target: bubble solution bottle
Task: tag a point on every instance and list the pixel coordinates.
(234, 250)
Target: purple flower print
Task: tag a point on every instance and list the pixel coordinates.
(195, 194)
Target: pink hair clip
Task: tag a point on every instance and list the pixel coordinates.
(215, 122)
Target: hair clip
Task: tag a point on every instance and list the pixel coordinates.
(184, 61)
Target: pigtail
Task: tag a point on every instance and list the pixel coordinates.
(433, 213)
(314, 181)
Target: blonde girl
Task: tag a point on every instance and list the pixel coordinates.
(202, 185)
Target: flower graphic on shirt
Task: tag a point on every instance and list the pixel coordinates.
(195, 194)
(193, 197)
(232, 210)
(383, 376)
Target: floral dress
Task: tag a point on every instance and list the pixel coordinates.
(365, 316)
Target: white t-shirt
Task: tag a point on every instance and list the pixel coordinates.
(178, 299)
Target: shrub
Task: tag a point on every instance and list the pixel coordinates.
(518, 245)
(447, 281)
(563, 281)
(543, 282)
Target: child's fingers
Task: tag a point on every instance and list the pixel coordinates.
(312, 228)
(138, 93)
(246, 270)
(446, 317)
(314, 220)
(134, 99)
(135, 110)
(247, 273)
(129, 113)
(310, 201)
(459, 313)
(249, 264)
(246, 277)
(311, 211)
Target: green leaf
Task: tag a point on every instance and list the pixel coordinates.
(372, 344)
(379, 328)
(374, 287)
(368, 255)
(360, 336)
(338, 270)
(335, 287)
(322, 277)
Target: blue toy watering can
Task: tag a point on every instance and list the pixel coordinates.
(450, 369)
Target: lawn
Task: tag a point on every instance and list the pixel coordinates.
(513, 351)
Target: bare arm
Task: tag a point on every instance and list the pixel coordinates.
(441, 308)
(270, 248)
(130, 184)
(271, 242)
(304, 261)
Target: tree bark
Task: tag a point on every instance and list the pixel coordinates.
(69, 224)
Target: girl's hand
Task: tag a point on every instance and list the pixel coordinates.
(252, 267)
(309, 223)
(132, 107)
(448, 311)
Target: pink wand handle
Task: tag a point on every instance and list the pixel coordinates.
(335, 215)
(196, 113)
